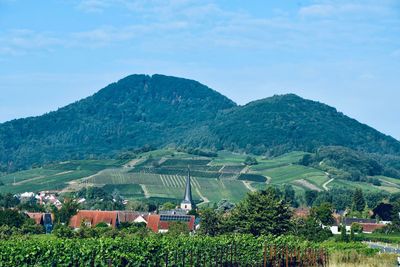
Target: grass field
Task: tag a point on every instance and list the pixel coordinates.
(363, 186)
(291, 173)
(284, 160)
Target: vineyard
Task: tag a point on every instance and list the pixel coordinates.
(160, 174)
(161, 250)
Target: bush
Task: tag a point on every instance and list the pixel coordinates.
(63, 231)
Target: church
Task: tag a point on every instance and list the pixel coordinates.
(187, 204)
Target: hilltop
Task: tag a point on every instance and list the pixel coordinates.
(142, 111)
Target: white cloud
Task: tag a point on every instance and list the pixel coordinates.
(317, 10)
(95, 6)
(20, 41)
(346, 8)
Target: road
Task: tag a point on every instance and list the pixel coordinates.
(386, 248)
(325, 185)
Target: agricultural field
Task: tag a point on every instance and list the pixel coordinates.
(172, 186)
(281, 161)
(363, 186)
(53, 177)
(296, 174)
(161, 175)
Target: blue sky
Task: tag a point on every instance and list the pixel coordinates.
(343, 53)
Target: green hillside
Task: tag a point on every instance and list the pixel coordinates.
(141, 113)
(159, 175)
(286, 123)
(136, 111)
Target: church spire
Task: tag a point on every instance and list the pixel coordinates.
(187, 202)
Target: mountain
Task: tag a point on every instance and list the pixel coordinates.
(137, 110)
(288, 122)
(160, 111)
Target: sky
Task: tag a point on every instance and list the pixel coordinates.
(344, 53)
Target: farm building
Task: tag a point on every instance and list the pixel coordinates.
(368, 225)
(45, 219)
(92, 218)
(161, 223)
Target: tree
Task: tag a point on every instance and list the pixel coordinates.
(290, 196)
(384, 211)
(168, 206)
(11, 218)
(224, 206)
(137, 206)
(68, 209)
(358, 200)
(323, 214)
(209, 222)
(306, 160)
(310, 197)
(343, 233)
(311, 229)
(178, 228)
(250, 161)
(63, 231)
(356, 228)
(8, 201)
(262, 212)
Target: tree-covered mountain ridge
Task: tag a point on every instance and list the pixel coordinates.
(162, 111)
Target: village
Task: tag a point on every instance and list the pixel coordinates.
(160, 221)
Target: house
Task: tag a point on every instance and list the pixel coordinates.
(47, 198)
(160, 223)
(45, 219)
(91, 218)
(368, 225)
(26, 196)
(132, 217)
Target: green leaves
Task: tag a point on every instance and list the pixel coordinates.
(46, 250)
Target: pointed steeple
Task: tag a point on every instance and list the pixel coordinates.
(187, 202)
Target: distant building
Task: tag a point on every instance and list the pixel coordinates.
(161, 223)
(91, 218)
(45, 219)
(187, 204)
(368, 225)
(301, 212)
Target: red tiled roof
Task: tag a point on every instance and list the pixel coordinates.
(370, 227)
(128, 216)
(94, 218)
(36, 216)
(155, 223)
(301, 212)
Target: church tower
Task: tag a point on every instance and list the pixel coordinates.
(187, 203)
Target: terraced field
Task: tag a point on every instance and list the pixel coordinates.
(53, 177)
(161, 175)
(173, 186)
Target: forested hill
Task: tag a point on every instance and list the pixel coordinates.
(137, 110)
(164, 111)
(288, 122)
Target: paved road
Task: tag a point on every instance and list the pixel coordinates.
(384, 248)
